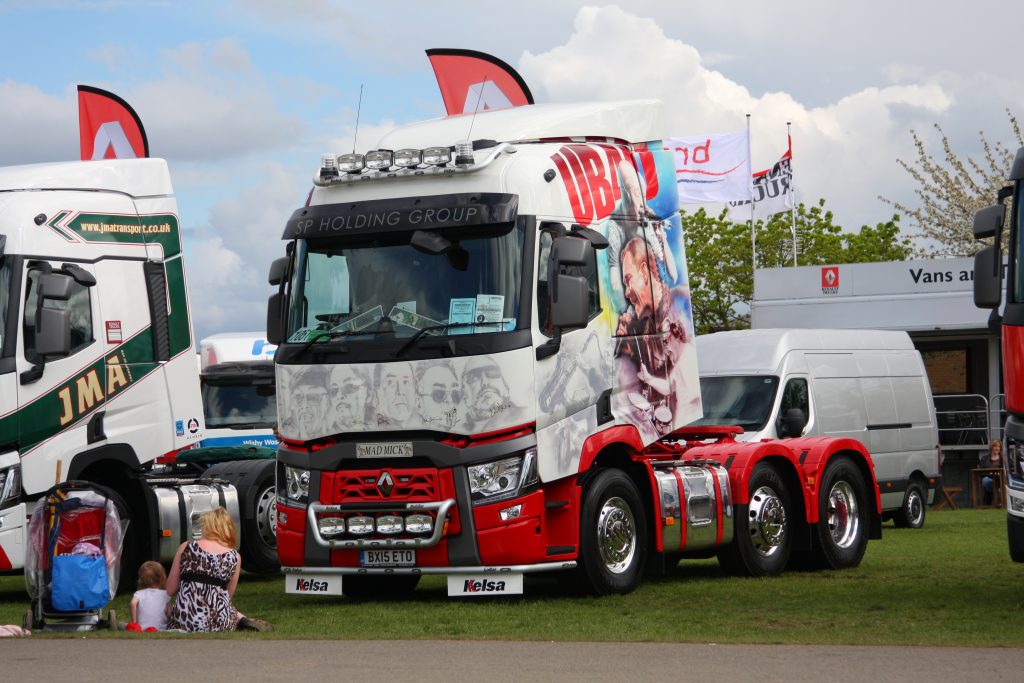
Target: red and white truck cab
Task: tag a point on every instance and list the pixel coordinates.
(487, 363)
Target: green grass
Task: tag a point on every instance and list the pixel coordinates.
(951, 583)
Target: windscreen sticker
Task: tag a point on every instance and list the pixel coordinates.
(408, 318)
(462, 311)
(490, 308)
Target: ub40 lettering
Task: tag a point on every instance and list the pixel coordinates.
(310, 586)
(483, 586)
(590, 174)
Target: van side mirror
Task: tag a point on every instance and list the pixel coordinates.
(792, 423)
(278, 269)
(988, 278)
(275, 322)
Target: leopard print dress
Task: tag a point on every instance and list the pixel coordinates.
(203, 603)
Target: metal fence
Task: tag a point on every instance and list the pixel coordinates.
(966, 421)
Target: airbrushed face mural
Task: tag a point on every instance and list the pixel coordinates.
(459, 395)
(646, 315)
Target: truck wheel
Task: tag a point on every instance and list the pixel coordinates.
(257, 499)
(613, 534)
(369, 586)
(911, 514)
(841, 533)
(762, 542)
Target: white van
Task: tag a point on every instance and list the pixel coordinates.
(867, 384)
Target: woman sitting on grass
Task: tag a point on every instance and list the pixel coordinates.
(203, 579)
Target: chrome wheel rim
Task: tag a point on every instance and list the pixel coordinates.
(616, 535)
(266, 516)
(843, 520)
(767, 525)
(915, 508)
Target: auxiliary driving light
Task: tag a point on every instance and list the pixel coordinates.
(380, 160)
(351, 163)
(408, 158)
(464, 153)
(328, 166)
(331, 526)
(389, 524)
(419, 524)
(437, 156)
(360, 525)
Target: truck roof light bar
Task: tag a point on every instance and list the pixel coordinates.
(432, 162)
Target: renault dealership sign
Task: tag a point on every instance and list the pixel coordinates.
(934, 294)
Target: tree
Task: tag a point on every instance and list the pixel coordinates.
(718, 254)
(951, 190)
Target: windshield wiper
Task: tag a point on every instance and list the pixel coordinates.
(434, 328)
(383, 325)
(248, 425)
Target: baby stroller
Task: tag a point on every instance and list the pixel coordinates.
(73, 561)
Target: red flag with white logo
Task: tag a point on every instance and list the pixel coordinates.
(474, 81)
(108, 127)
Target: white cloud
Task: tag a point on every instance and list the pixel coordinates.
(844, 152)
(228, 256)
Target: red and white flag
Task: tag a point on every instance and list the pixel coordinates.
(712, 168)
(773, 192)
(108, 128)
(474, 81)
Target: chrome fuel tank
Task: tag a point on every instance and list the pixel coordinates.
(695, 505)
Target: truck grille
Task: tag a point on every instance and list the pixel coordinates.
(385, 486)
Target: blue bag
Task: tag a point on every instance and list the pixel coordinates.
(79, 583)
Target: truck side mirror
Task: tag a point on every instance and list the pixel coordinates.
(792, 423)
(275, 322)
(569, 310)
(569, 299)
(988, 278)
(989, 221)
(53, 325)
(278, 269)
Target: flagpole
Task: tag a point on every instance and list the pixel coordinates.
(750, 183)
(792, 209)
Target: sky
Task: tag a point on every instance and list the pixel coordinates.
(242, 96)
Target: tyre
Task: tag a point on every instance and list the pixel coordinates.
(762, 541)
(257, 500)
(911, 513)
(369, 586)
(840, 537)
(613, 535)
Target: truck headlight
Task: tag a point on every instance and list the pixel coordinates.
(503, 479)
(10, 486)
(296, 484)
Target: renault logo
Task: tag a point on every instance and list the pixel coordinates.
(385, 484)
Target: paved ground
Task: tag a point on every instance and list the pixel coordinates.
(495, 662)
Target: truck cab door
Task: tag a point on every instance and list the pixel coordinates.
(58, 397)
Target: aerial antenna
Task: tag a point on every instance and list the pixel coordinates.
(464, 148)
(359, 108)
(479, 96)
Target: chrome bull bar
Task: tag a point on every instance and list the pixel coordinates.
(440, 509)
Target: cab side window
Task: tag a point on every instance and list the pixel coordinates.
(794, 395)
(80, 305)
(589, 271)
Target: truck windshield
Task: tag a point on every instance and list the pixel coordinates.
(742, 401)
(388, 288)
(239, 406)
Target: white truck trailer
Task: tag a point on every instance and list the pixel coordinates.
(98, 377)
(486, 364)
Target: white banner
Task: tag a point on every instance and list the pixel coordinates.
(712, 168)
(773, 193)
